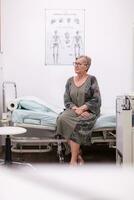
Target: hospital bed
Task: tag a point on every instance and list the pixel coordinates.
(40, 120)
(33, 115)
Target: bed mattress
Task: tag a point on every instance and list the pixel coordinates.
(34, 117)
(49, 119)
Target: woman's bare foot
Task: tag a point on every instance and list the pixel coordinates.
(80, 160)
(73, 163)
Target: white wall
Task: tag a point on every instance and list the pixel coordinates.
(108, 37)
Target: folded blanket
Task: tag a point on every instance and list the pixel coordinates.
(34, 106)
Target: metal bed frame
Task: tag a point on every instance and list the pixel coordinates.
(22, 144)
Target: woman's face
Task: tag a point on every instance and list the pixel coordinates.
(80, 66)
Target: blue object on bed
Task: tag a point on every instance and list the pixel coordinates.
(34, 106)
(34, 117)
(105, 121)
(33, 112)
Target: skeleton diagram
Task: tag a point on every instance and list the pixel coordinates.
(67, 38)
(77, 44)
(55, 44)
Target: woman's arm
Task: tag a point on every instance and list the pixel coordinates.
(93, 102)
(67, 99)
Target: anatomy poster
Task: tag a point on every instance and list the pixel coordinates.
(64, 36)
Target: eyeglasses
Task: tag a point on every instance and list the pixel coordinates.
(77, 64)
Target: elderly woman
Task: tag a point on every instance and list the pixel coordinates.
(82, 102)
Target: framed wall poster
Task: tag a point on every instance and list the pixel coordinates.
(64, 36)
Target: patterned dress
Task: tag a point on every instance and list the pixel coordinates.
(69, 124)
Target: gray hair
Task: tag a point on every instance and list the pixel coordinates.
(87, 60)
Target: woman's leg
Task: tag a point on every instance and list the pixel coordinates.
(75, 149)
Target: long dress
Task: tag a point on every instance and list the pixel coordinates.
(69, 124)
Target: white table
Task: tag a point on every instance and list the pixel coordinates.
(8, 131)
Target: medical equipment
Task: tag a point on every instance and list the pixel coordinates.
(125, 129)
(40, 120)
(5, 113)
